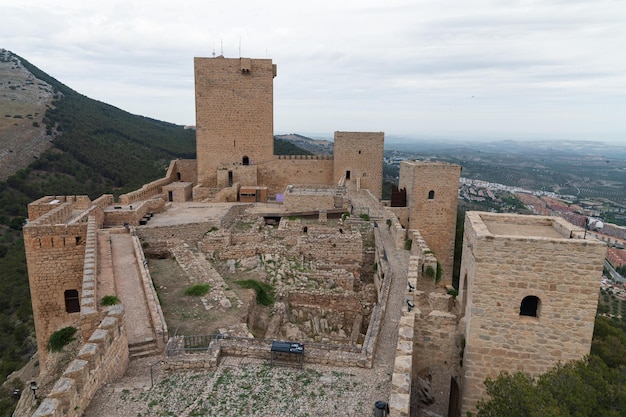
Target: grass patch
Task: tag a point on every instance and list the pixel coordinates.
(197, 290)
(109, 300)
(61, 338)
(264, 292)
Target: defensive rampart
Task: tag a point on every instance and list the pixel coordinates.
(103, 358)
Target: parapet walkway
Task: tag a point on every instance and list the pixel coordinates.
(128, 285)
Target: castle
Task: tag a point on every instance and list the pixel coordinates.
(528, 291)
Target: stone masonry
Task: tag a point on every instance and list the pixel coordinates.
(530, 291)
(234, 114)
(432, 192)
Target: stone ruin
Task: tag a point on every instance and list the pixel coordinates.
(322, 273)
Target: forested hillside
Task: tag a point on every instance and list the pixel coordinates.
(98, 149)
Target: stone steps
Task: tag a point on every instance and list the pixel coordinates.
(143, 349)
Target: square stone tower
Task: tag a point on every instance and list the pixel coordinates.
(55, 255)
(234, 117)
(529, 287)
(432, 190)
(358, 158)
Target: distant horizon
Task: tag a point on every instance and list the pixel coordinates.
(408, 139)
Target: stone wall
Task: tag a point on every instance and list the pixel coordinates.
(55, 256)
(529, 286)
(103, 358)
(315, 353)
(398, 233)
(234, 114)
(360, 154)
(154, 306)
(432, 198)
(89, 315)
(191, 233)
(296, 169)
(131, 214)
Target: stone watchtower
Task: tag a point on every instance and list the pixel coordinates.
(234, 119)
(358, 160)
(55, 256)
(529, 286)
(432, 190)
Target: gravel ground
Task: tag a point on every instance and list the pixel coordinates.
(242, 387)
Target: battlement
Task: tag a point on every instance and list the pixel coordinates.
(103, 358)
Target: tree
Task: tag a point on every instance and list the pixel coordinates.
(587, 387)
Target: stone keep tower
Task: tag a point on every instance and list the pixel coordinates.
(55, 255)
(359, 160)
(432, 190)
(529, 286)
(234, 118)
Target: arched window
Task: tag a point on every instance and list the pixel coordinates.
(431, 194)
(530, 306)
(246, 160)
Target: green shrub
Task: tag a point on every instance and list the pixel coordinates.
(344, 216)
(109, 300)
(389, 223)
(264, 292)
(430, 272)
(453, 292)
(197, 290)
(61, 338)
(408, 244)
(365, 217)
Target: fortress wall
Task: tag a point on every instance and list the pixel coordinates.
(41, 206)
(55, 256)
(191, 233)
(331, 355)
(132, 215)
(154, 306)
(147, 191)
(186, 168)
(296, 169)
(103, 201)
(498, 272)
(103, 358)
(295, 202)
(398, 233)
(89, 315)
(360, 153)
(57, 215)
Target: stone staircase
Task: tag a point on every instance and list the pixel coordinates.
(143, 349)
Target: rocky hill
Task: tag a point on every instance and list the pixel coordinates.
(23, 103)
(314, 146)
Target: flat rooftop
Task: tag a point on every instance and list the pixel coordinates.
(515, 225)
(184, 213)
(526, 230)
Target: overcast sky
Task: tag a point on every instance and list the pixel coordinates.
(417, 68)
